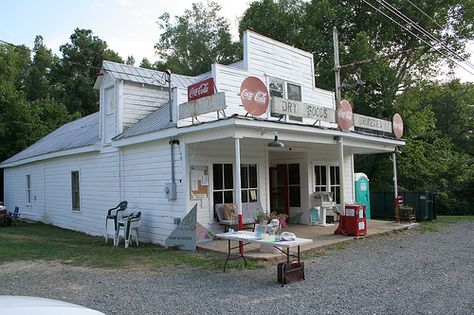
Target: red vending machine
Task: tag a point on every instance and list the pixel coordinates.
(353, 222)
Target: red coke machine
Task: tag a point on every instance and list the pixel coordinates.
(353, 222)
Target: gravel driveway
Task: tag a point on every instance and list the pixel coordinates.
(403, 273)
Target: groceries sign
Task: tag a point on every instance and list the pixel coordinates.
(254, 96)
(201, 89)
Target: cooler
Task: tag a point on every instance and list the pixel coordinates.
(353, 222)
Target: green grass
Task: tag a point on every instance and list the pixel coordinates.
(38, 241)
(441, 222)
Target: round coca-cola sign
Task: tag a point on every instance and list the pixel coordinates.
(397, 125)
(254, 96)
(344, 115)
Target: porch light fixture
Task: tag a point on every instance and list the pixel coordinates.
(276, 143)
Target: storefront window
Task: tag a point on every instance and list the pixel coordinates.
(326, 178)
(294, 93)
(248, 174)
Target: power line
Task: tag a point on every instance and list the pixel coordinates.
(432, 20)
(410, 22)
(408, 30)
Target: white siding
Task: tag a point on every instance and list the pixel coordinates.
(140, 100)
(51, 190)
(146, 169)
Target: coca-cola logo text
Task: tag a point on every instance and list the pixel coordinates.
(201, 89)
(254, 96)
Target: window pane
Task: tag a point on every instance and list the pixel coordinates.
(217, 176)
(253, 195)
(228, 196)
(244, 176)
(294, 92)
(75, 190)
(276, 87)
(294, 174)
(244, 196)
(218, 197)
(253, 176)
(317, 175)
(228, 177)
(295, 200)
(28, 181)
(323, 176)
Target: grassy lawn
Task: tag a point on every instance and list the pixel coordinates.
(442, 221)
(38, 241)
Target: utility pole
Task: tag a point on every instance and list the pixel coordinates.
(337, 72)
(337, 66)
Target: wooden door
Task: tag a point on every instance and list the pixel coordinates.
(279, 189)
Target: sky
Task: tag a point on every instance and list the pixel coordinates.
(128, 26)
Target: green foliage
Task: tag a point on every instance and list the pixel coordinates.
(192, 42)
(74, 74)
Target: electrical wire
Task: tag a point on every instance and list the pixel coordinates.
(421, 39)
(432, 20)
(406, 19)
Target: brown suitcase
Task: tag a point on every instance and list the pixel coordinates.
(295, 272)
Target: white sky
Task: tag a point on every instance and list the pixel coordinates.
(128, 26)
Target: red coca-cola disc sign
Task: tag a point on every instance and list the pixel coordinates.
(344, 115)
(201, 89)
(254, 96)
(397, 125)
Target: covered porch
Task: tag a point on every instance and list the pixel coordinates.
(322, 237)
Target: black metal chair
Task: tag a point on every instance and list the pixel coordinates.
(112, 214)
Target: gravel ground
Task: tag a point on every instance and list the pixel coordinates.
(402, 273)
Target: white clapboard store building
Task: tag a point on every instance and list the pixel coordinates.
(164, 157)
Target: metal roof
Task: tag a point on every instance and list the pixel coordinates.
(157, 120)
(146, 76)
(78, 133)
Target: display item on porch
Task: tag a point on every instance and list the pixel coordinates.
(230, 211)
(260, 230)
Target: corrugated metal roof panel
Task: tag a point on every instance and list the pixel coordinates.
(79, 133)
(145, 76)
(154, 121)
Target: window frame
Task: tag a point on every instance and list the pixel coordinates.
(329, 187)
(28, 189)
(78, 209)
(248, 189)
(285, 95)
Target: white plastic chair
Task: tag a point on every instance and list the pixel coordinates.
(128, 227)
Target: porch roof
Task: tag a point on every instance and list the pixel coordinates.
(250, 127)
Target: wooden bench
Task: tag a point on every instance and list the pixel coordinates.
(249, 214)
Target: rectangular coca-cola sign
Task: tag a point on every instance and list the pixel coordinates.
(201, 89)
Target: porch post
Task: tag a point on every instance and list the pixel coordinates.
(395, 185)
(341, 174)
(238, 193)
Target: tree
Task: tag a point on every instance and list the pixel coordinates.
(37, 78)
(145, 63)
(74, 74)
(195, 40)
(130, 60)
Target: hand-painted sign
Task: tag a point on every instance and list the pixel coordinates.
(201, 89)
(397, 125)
(299, 109)
(184, 236)
(372, 123)
(211, 103)
(254, 96)
(344, 115)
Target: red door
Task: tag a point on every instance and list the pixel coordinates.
(279, 189)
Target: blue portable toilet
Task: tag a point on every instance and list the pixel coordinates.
(362, 191)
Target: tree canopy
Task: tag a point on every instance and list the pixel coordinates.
(192, 42)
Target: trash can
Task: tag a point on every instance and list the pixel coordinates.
(353, 222)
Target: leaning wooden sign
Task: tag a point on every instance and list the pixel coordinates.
(284, 106)
(207, 104)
